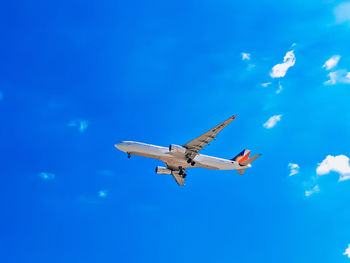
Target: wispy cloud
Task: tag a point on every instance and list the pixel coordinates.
(266, 84)
(245, 56)
(279, 88)
(338, 76)
(294, 169)
(102, 193)
(272, 121)
(347, 251)
(331, 63)
(80, 124)
(314, 190)
(342, 12)
(280, 70)
(338, 164)
(46, 176)
(96, 198)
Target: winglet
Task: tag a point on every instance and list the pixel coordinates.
(233, 117)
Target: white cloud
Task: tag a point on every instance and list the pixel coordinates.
(272, 121)
(245, 56)
(332, 62)
(279, 88)
(338, 76)
(266, 84)
(280, 70)
(294, 169)
(46, 176)
(339, 164)
(347, 251)
(314, 190)
(332, 78)
(80, 124)
(342, 12)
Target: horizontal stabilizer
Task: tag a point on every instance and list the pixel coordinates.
(247, 162)
(178, 178)
(250, 160)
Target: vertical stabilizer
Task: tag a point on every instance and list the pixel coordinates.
(242, 156)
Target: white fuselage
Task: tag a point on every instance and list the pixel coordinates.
(177, 159)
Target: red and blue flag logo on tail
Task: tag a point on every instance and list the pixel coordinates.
(242, 156)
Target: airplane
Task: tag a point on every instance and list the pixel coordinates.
(178, 158)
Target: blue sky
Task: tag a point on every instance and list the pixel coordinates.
(77, 77)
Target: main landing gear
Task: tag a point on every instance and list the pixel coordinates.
(191, 162)
(129, 155)
(182, 172)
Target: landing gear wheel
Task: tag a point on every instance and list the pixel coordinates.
(129, 155)
(184, 176)
(181, 171)
(189, 160)
(193, 163)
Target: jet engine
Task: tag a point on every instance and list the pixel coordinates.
(162, 170)
(176, 148)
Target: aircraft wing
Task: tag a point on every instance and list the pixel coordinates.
(194, 146)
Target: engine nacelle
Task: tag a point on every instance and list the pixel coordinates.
(162, 170)
(173, 148)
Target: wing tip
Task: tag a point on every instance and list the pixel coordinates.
(233, 117)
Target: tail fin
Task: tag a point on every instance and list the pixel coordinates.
(242, 156)
(246, 162)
